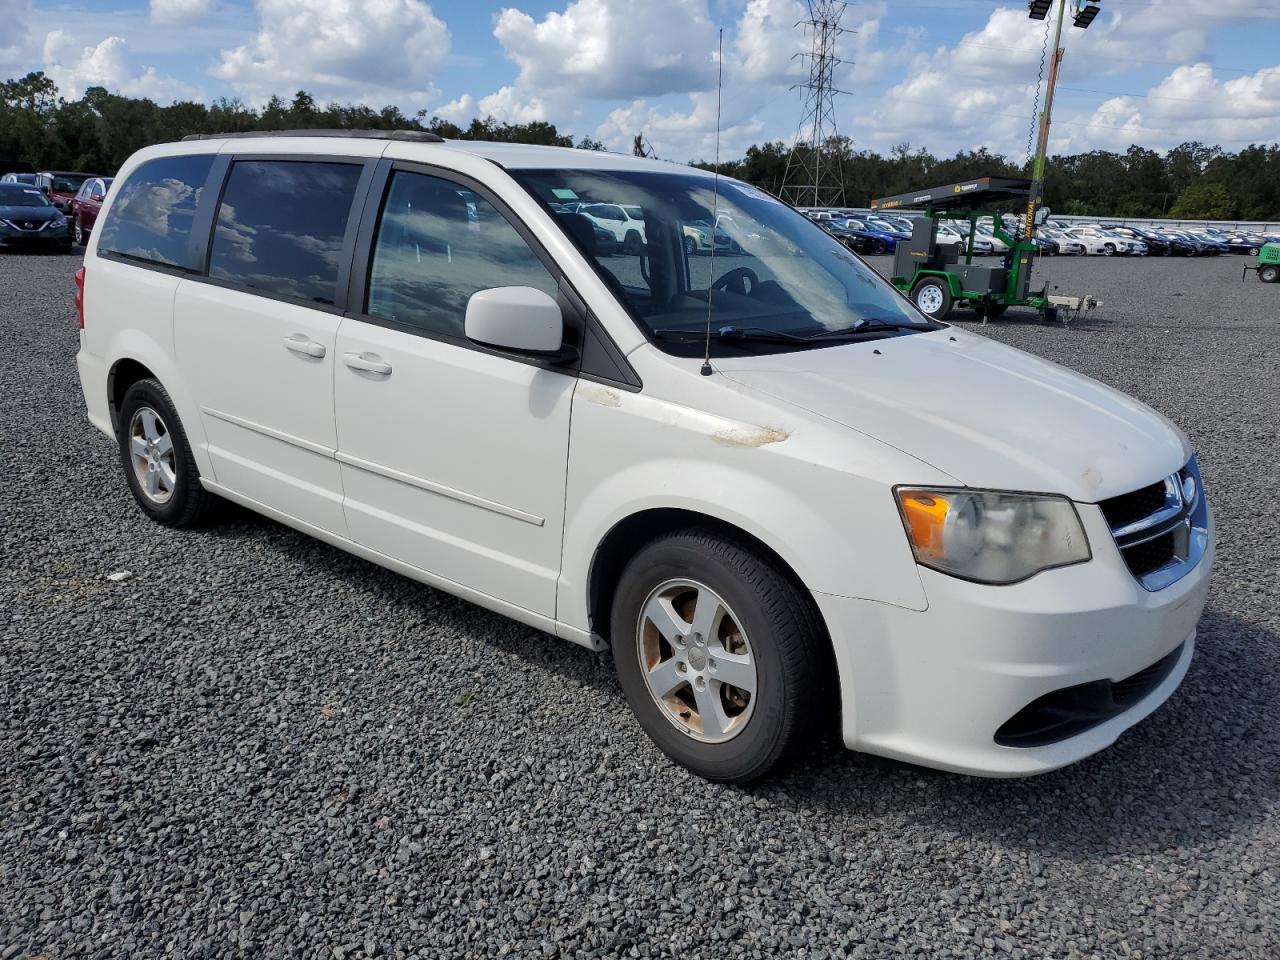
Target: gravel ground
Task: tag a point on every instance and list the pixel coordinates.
(258, 745)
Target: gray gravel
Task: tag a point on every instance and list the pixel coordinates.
(256, 745)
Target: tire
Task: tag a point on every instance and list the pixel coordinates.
(1253, 251)
(763, 615)
(1109, 250)
(1269, 274)
(690, 246)
(82, 237)
(879, 247)
(1167, 252)
(631, 243)
(185, 503)
(939, 302)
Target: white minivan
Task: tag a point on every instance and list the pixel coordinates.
(784, 497)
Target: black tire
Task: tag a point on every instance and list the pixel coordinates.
(81, 235)
(879, 247)
(1253, 251)
(1167, 252)
(1108, 250)
(1269, 274)
(632, 243)
(188, 504)
(690, 246)
(793, 702)
(944, 309)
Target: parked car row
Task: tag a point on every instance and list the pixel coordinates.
(60, 205)
(879, 233)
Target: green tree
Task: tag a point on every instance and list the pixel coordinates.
(1204, 201)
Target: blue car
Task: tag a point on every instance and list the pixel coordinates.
(881, 236)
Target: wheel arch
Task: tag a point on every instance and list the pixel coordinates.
(632, 532)
(123, 374)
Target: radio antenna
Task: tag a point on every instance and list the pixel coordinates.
(715, 206)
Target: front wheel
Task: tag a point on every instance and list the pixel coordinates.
(1108, 250)
(932, 297)
(721, 655)
(690, 246)
(632, 243)
(157, 459)
(81, 236)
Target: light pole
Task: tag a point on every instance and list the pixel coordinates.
(1083, 13)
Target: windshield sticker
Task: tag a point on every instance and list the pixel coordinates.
(564, 193)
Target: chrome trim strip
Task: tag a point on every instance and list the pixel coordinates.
(1173, 505)
(1185, 516)
(432, 487)
(274, 434)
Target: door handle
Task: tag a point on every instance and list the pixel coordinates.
(368, 362)
(300, 343)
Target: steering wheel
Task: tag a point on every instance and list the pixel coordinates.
(739, 279)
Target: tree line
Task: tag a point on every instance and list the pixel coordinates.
(1192, 181)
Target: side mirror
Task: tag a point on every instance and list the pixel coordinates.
(523, 319)
(96, 197)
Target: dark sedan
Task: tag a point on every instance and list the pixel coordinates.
(28, 219)
(856, 240)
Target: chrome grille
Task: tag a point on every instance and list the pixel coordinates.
(1161, 529)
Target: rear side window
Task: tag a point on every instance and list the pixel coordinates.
(151, 217)
(281, 227)
(437, 244)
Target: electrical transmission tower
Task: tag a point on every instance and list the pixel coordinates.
(812, 178)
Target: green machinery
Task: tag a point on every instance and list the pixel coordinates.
(939, 276)
(1268, 266)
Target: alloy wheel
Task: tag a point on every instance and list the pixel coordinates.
(152, 455)
(696, 660)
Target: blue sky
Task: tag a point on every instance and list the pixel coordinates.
(939, 74)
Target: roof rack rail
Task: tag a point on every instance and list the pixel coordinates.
(413, 136)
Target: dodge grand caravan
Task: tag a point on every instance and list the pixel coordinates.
(779, 493)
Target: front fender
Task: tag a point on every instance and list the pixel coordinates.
(810, 490)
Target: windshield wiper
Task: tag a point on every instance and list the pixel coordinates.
(754, 334)
(866, 325)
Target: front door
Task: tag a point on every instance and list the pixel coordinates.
(453, 457)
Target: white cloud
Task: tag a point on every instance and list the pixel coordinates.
(180, 11)
(608, 49)
(682, 136)
(366, 50)
(15, 37)
(75, 68)
(1191, 103)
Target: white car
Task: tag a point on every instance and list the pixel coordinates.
(624, 221)
(1068, 246)
(1098, 244)
(782, 496)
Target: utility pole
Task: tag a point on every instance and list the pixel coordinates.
(809, 178)
(1084, 12)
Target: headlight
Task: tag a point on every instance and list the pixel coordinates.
(990, 536)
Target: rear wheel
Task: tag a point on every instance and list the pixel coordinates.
(157, 460)
(82, 237)
(720, 654)
(690, 246)
(1109, 250)
(1269, 274)
(632, 243)
(878, 246)
(932, 297)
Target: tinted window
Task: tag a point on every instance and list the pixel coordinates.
(438, 243)
(153, 211)
(281, 226)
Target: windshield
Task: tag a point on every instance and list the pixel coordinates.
(20, 195)
(781, 276)
(67, 183)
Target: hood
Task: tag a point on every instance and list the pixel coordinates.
(984, 413)
(28, 214)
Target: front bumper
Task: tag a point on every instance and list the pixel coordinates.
(33, 239)
(933, 687)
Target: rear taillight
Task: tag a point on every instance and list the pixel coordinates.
(80, 298)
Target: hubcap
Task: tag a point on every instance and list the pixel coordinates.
(929, 299)
(151, 452)
(696, 661)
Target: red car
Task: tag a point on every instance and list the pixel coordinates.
(61, 186)
(85, 207)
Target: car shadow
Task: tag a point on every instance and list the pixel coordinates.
(1189, 774)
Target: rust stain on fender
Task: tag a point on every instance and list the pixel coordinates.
(599, 393)
(746, 435)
